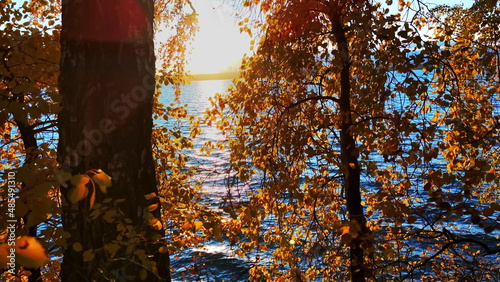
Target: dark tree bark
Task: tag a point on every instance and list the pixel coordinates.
(349, 156)
(107, 83)
(30, 144)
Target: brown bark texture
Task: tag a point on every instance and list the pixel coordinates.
(349, 158)
(107, 83)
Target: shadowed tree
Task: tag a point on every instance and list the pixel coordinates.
(107, 82)
(28, 88)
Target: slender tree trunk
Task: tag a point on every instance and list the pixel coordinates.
(107, 83)
(31, 148)
(349, 157)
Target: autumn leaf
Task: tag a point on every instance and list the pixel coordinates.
(348, 230)
(198, 225)
(143, 274)
(77, 247)
(187, 226)
(345, 229)
(88, 255)
(80, 191)
(79, 179)
(157, 225)
(112, 248)
(29, 252)
(92, 197)
(101, 179)
(150, 196)
(63, 177)
(152, 207)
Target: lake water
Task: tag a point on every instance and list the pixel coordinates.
(212, 168)
(218, 259)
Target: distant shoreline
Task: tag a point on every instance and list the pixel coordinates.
(214, 76)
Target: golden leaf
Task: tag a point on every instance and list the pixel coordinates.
(80, 179)
(150, 196)
(29, 252)
(157, 225)
(102, 180)
(163, 250)
(198, 225)
(187, 225)
(92, 198)
(345, 229)
(152, 207)
(78, 193)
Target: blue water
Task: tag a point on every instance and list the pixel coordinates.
(216, 261)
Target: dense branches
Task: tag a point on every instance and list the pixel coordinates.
(381, 133)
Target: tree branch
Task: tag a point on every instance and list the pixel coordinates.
(315, 98)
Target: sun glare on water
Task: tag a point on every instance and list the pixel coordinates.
(218, 45)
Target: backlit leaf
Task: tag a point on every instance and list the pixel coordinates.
(80, 179)
(198, 225)
(29, 252)
(150, 196)
(78, 193)
(102, 180)
(152, 207)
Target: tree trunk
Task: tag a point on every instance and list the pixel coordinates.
(349, 158)
(107, 83)
(31, 148)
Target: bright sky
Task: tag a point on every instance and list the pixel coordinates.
(218, 45)
(466, 3)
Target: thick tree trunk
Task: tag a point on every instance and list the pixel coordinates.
(349, 158)
(107, 83)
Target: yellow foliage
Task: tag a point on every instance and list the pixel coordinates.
(421, 113)
(150, 196)
(157, 225)
(198, 225)
(152, 207)
(78, 193)
(28, 252)
(102, 180)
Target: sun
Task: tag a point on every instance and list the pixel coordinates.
(218, 45)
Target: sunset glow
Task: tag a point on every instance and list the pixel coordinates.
(218, 46)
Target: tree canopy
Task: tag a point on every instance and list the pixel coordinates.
(364, 133)
(374, 136)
